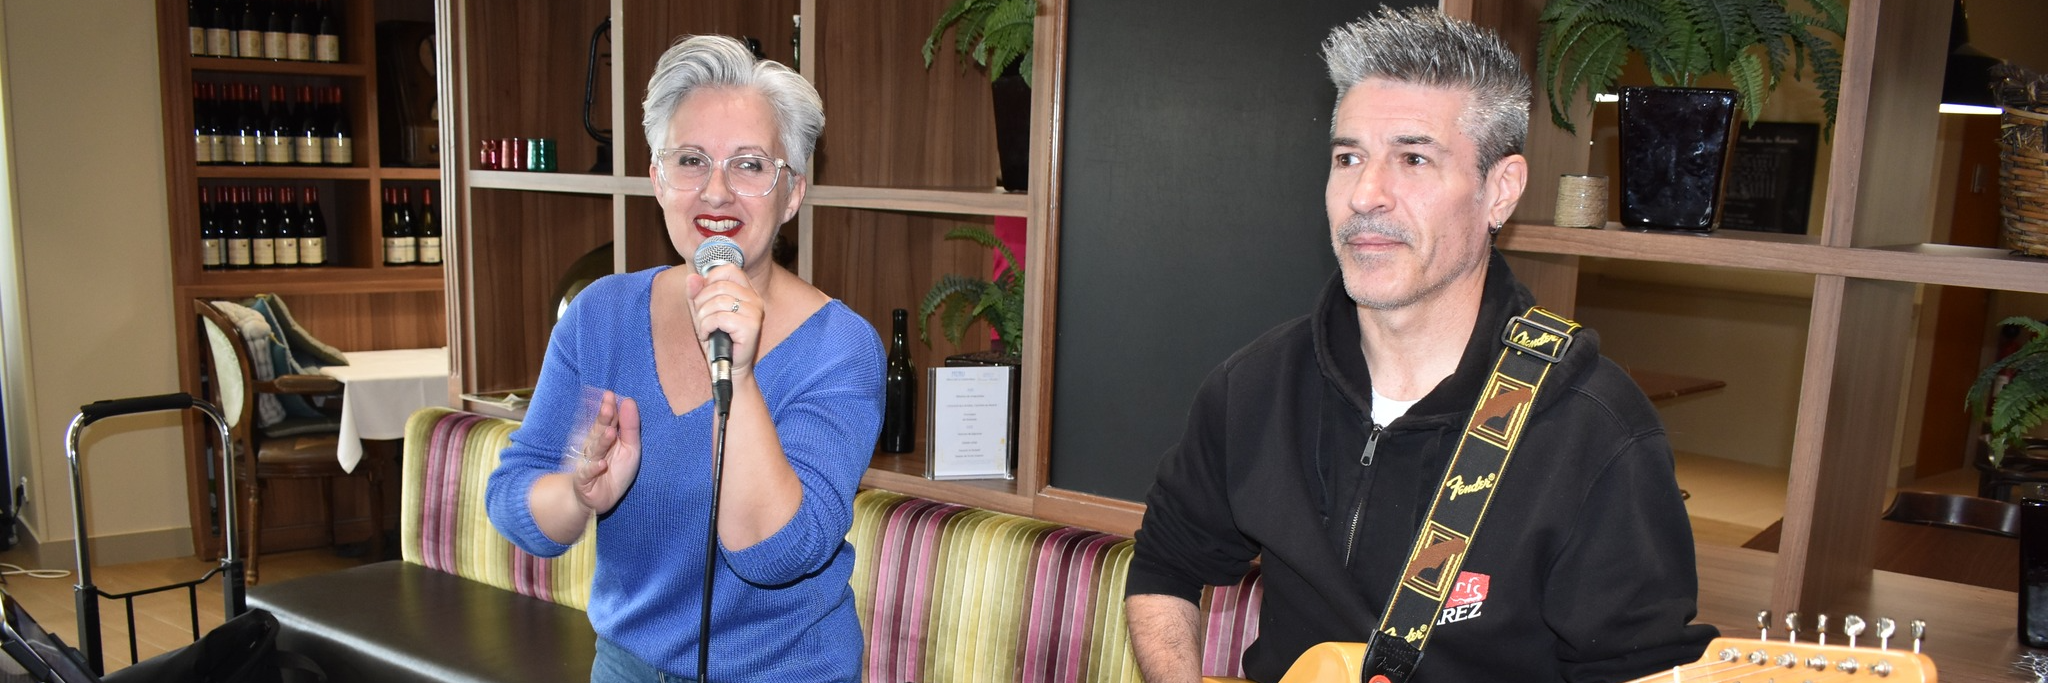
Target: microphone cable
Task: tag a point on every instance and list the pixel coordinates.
(723, 410)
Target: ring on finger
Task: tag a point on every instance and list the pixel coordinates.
(735, 307)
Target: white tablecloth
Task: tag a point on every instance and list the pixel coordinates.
(381, 390)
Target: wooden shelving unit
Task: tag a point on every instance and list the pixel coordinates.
(908, 152)
(355, 303)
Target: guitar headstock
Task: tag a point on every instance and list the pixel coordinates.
(1726, 658)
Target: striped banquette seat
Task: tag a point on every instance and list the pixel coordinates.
(945, 593)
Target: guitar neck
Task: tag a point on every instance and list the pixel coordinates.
(1727, 658)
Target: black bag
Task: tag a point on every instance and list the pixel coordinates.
(243, 650)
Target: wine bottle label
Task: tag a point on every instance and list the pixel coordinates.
(278, 151)
(273, 45)
(219, 143)
(430, 250)
(238, 252)
(209, 252)
(220, 43)
(242, 149)
(287, 251)
(202, 148)
(408, 250)
(308, 150)
(263, 251)
(249, 44)
(340, 151)
(198, 40)
(313, 251)
(327, 48)
(298, 47)
(394, 252)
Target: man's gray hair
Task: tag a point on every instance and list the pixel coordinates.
(696, 62)
(1424, 47)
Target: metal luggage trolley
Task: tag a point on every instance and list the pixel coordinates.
(86, 595)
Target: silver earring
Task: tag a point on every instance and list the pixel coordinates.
(1495, 229)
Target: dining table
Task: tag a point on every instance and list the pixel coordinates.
(381, 390)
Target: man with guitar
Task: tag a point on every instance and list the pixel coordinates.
(1356, 450)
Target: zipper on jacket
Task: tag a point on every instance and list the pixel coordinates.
(1372, 443)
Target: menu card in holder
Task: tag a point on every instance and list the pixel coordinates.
(970, 435)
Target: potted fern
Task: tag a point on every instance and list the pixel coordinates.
(2012, 411)
(959, 300)
(1676, 138)
(997, 35)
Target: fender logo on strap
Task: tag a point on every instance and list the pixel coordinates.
(1539, 334)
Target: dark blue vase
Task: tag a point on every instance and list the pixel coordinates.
(1676, 145)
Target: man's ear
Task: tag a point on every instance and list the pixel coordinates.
(1504, 185)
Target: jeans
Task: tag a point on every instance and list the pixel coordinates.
(615, 665)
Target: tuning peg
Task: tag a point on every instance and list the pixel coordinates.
(1852, 626)
(1763, 624)
(1885, 628)
(1792, 627)
(1919, 631)
(1820, 627)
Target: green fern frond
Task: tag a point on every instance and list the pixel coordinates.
(1721, 28)
(1748, 74)
(960, 300)
(993, 33)
(2021, 405)
(1598, 64)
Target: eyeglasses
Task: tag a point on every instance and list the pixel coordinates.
(688, 170)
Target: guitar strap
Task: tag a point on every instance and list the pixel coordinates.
(1533, 342)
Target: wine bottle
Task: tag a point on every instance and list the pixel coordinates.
(298, 39)
(202, 145)
(242, 148)
(280, 135)
(288, 228)
(391, 253)
(249, 32)
(263, 240)
(237, 226)
(195, 24)
(899, 429)
(209, 230)
(220, 32)
(312, 232)
(408, 240)
(429, 229)
(327, 33)
(308, 147)
(274, 32)
(340, 143)
(216, 123)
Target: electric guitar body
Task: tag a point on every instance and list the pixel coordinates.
(1726, 659)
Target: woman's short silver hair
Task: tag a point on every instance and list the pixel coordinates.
(1424, 47)
(696, 62)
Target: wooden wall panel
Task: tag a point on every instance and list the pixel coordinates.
(877, 261)
(521, 243)
(531, 86)
(888, 120)
(654, 25)
(372, 322)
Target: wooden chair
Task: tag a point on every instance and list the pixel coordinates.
(297, 448)
(1966, 513)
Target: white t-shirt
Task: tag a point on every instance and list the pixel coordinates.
(1386, 410)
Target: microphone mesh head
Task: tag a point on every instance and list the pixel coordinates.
(717, 251)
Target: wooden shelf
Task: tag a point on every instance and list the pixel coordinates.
(904, 473)
(287, 172)
(408, 173)
(572, 183)
(989, 202)
(1936, 264)
(265, 66)
(330, 280)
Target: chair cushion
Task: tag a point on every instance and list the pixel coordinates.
(398, 621)
(311, 456)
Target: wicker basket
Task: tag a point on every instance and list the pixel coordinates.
(2023, 164)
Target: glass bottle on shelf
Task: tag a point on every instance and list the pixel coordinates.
(312, 231)
(237, 228)
(242, 148)
(220, 32)
(899, 382)
(308, 148)
(202, 145)
(288, 228)
(280, 136)
(327, 32)
(408, 238)
(339, 149)
(209, 231)
(249, 32)
(428, 229)
(274, 32)
(195, 25)
(263, 239)
(298, 38)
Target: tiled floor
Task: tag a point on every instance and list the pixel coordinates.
(1732, 501)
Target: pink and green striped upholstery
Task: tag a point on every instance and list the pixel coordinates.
(448, 457)
(950, 593)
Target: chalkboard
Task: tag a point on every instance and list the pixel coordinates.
(1770, 186)
(1196, 151)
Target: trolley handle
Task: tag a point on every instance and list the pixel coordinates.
(100, 410)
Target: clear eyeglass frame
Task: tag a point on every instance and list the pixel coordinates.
(755, 180)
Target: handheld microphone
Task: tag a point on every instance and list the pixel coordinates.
(714, 252)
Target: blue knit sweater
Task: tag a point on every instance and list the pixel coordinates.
(781, 609)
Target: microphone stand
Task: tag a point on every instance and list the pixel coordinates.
(721, 392)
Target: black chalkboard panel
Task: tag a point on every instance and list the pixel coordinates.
(1197, 139)
(1770, 186)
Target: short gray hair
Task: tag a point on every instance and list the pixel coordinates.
(1424, 47)
(696, 62)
